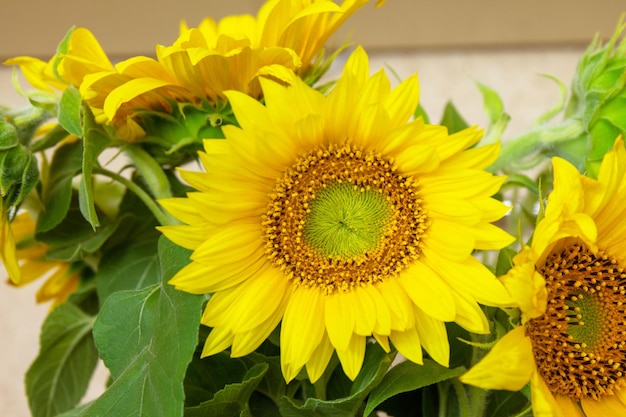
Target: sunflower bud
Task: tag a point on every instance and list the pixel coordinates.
(599, 96)
(18, 167)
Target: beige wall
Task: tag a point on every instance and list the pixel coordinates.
(130, 27)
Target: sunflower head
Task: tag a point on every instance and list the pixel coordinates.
(569, 285)
(343, 218)
(205, 61)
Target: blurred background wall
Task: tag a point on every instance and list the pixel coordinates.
(131, 27)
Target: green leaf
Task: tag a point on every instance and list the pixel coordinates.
(273, 384)
(73, 238)
(409, 376)
(147, 338)
(94, 142)
(452, 119)
(62, 49)
(206, 376)
(69, 111)
(492, 103)
(505, 261)
(375, 365)
(129, 267)
(516, 180)
(507, 403)
(233, 399)
(59, 376)
(559, 106)
(420, 112)
(57, 192)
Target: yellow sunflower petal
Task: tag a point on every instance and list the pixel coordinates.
(408, 344)
(303, 316)
(340, 317)
(244, 307)
(402, 101)
(608, 406)
(509, 365)
(433, 337)
(543, 401)
(399, 304)
(526, 286)
(246, 341)
(352, 356)
(316, 366)
(568, 407)
(218, 340)
(429, 292)
(471, 277)
(7, 251)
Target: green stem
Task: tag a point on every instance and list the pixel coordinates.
(442, 390)
(477, 401)
(163, 218)
(461, 395)
(152, 172)
(320, 389)
(536, 139)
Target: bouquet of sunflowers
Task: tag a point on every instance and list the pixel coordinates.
(232, 234)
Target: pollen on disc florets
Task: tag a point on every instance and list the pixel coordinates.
(341, 217)
(579, 343)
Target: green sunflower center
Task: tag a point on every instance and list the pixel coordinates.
(579, 344)
(341, 216)
(346, 221)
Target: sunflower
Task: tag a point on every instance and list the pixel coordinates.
(26, 263)
(214, 57)
(570, 285)
(83, 56)
(342, 218)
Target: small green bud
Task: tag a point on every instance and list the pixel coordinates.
(599, 96)
(8, 136)
(26, 122)
(18, 175)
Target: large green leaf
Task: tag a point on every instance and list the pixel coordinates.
(375, 365)
(409, 376)
(94, 142)
(147, 338)
(131, 267)
(131, 260)
(59, 376)
(57, 193)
